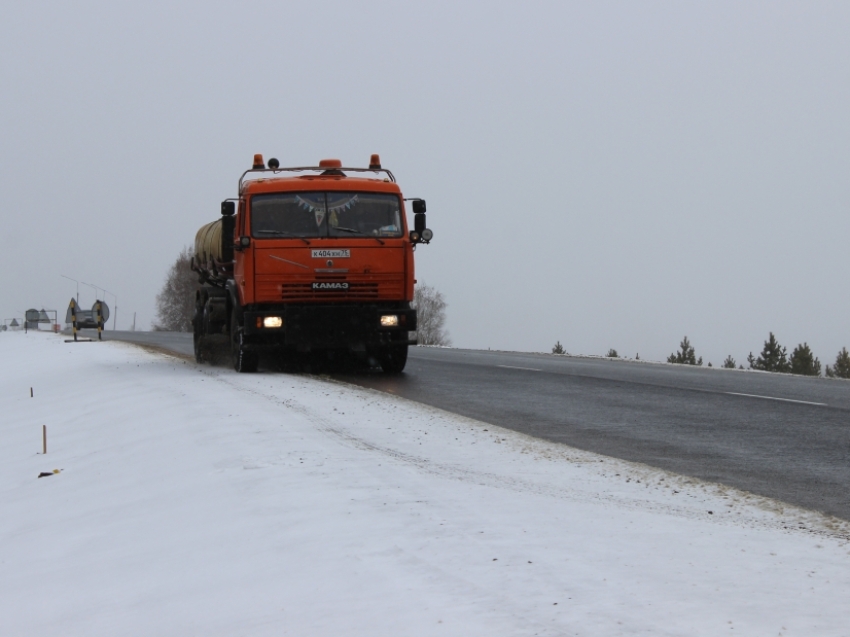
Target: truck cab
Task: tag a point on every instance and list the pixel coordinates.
(311, 259)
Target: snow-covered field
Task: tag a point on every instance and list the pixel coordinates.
(195, 501)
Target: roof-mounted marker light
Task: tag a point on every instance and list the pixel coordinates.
(375, 162)
(274, 164)
(258, 162)
(332, 168)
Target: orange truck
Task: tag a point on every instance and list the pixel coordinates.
(312, 259)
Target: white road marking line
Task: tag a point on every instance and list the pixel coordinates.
(785, 400)
(528, 369)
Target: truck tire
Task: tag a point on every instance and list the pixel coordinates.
(394, 358)
(244, 361)
(199, 347)
(198, 328)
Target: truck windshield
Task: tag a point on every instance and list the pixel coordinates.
(326, 214)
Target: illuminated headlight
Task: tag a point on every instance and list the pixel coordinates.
(272, 321)
(389, 320)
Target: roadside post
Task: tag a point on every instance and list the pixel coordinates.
(71, 317)
(98, 308)
(73, 309)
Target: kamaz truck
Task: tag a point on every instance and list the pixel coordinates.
(312, 259)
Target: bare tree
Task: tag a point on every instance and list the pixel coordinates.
(175, 303)
(430, 316)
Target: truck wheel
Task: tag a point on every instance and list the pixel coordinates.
(199, 347)
(198, 331)
(244, 361)
(394, 358)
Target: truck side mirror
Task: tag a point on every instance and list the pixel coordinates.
(418, 206)
(419, 222)
(228, 208)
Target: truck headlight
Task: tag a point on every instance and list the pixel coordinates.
(272, 321)
(389, 320)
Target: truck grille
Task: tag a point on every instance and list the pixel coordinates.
(378, 286)
(305, 292)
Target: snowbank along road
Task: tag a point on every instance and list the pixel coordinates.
(785, 437)
(192, 500)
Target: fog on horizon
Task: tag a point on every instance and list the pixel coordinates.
(606, 175)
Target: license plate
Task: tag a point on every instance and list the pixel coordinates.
(331, 254)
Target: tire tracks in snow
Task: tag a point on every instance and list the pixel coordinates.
(742, 509)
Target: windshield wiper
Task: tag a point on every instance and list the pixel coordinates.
(281, 233)
(357, 232)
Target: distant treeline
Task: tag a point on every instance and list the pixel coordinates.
(773, 358)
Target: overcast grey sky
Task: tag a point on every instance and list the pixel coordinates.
(606, 174)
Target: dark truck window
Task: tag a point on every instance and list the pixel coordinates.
(326, 214)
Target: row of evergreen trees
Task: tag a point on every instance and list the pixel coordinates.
(774, 358)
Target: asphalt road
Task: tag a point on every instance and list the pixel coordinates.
(786, 437)
(179, 342)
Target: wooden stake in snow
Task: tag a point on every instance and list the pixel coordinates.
(30, 392)
(44, 437)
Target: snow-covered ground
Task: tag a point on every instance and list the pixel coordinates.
(195, 501)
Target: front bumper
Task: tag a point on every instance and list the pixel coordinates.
(330, 326)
